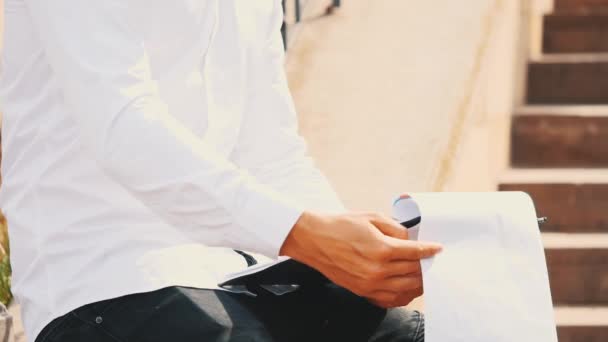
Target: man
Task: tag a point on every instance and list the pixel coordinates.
(145, 141)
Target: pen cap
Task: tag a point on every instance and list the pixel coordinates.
(405, 209)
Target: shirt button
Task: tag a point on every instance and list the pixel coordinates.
(98, 319)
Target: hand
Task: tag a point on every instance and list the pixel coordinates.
(368, 254)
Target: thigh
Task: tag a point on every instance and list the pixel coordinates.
(400, 325)
(207, 315)
(298, 316)
(353, 318)
(181, 314)
(70, 328)
(170, 314)
(350, 317)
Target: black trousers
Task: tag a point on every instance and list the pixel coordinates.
(322, 313)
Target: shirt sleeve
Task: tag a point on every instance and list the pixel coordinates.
(278, 157)
(102, 69)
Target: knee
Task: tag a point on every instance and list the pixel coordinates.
(401, 325)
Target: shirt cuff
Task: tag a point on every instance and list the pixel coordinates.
(270, 216)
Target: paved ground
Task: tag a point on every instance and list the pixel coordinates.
(18, 326)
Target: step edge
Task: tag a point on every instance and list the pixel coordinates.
(554, 176)
(574, 17)
(570, 58)
(584, 111)
(580, 241)
(581, 316)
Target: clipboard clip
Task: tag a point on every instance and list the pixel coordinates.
(542, 220)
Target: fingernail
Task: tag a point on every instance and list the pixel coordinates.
(436, 246)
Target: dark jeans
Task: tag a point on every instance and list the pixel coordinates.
(324, 313)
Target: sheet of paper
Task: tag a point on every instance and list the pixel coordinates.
(490, 283)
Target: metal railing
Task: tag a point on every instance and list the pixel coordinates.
(298, 15)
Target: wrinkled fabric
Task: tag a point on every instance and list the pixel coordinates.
(142, 141)
(324, 313)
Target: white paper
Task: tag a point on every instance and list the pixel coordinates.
(490, 282)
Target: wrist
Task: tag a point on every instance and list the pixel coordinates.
(298, 241)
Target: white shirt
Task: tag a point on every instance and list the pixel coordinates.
(143, 140)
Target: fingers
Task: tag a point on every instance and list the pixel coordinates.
(392, 300)
(402, 268)
(367, 254)
(397, 281)
(406, 250)
(412, 250)
(401, 284)
(388, 226)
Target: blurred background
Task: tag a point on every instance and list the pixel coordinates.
(404, 96)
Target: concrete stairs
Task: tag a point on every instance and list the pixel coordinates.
(582, 324)
(559, 155)
(568, 79)
(575, 32)
(581, 6)
(568, 136)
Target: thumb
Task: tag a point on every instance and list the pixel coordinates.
(389, 227)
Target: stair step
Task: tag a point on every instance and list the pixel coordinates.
(575, 241)
(582, 324)
(567, 139)
(577, 267)
(574, 200)
(568, 79)
(581, 6)
(568, 33)
(564, 110)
